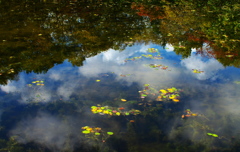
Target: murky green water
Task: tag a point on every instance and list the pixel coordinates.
(128, 76)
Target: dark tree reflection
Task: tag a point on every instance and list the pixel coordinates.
(36, 35)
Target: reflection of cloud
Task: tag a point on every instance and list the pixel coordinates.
(55, 76)
(169, 48)
(13, 86)
(109, 61)
(139, 70)
(37, 94)
(66, 90)
(228, 98)
(219, 107)
(210, 67)
(46, 130)
(9, 88)
(117, 56)
(113, 62)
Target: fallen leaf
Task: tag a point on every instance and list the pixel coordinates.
(110, 133)
(123, 100)
(175, 100)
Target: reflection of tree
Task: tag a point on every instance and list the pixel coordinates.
(193, 25)
(45, 34)
(36, 36)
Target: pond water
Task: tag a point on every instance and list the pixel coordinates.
(128, 76)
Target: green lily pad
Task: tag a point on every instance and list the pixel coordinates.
(214, 135)
(86, 131)
(127, 113)
(110, 133)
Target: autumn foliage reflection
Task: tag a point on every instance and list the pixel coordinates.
(37, 35)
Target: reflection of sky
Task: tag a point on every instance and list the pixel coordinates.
(210, 67)
(64, 81)
(113, 61)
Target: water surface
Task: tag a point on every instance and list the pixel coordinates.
(123, 76)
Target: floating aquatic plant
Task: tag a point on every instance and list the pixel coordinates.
(197, 71)
(123, 100)
(113, 111)
(157, 66)
(149, 56)
(125, 75)
(96, 133)
(211, 134)
(188, 113)
(38, 83)
(132, 59)
(161, 95)
(153, 50)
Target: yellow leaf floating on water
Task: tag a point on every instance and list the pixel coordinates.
(194, 114)
(97, 128)
(172, 96)
(85, 127)
(123, 100)
(94, 110)
(118, 113)
(175, 100)
(98, 80)
(106, 112)
(163, 91)
(89, 129)
(99, 110)
(197, 71)
(170, 90)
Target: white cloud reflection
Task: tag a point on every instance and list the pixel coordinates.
(113, 62)
(169, 48)
(46, 130)
(210, 66)
(9, 88)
